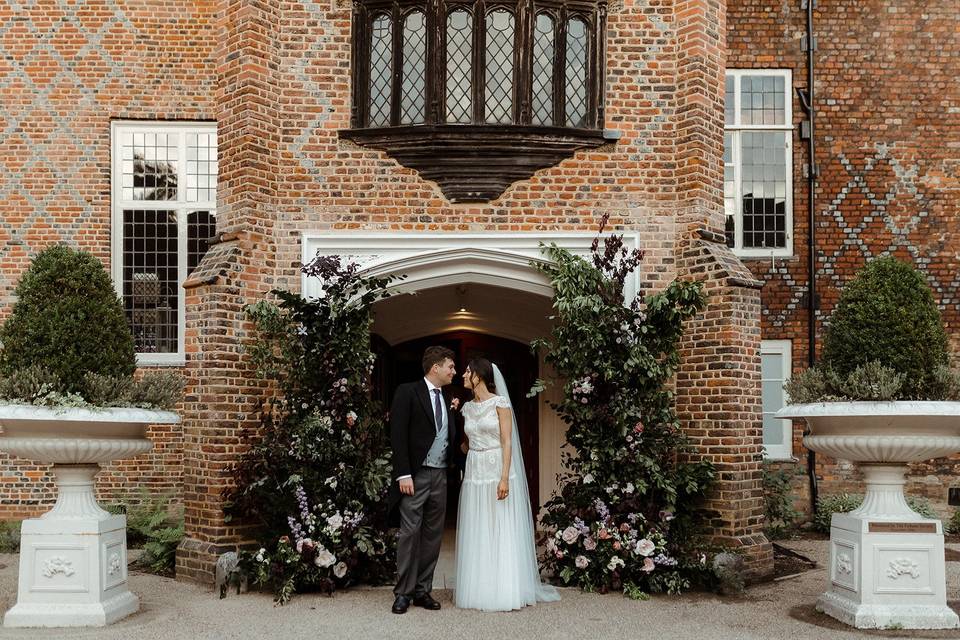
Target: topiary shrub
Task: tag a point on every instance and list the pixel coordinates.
(887, 315)
(67, 321)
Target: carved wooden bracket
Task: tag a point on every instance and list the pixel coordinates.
(476, 163)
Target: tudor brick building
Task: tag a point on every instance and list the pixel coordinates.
(203, 149)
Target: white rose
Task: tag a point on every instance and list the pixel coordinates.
(324, 558)
(645, 547)
(340, 569)
(614, 563)
(335, 521)
(581, 562)
(570, 535)
(629, 488)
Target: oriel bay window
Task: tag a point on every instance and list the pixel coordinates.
(478, 95)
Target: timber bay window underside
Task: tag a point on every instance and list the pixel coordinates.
(477, 96)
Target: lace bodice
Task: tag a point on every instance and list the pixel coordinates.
(481, 423)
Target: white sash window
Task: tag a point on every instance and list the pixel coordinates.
(164, 195)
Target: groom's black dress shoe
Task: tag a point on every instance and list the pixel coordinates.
(401, 604)
(426, 602)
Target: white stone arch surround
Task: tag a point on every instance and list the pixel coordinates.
(432, 260)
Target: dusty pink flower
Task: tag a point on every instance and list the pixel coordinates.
(589, 544)
(603, 534)
(638, 427)
(351, 419)
(648, 565)
(559, 555)
(570, 535)
(581, 562)
(624, 527)
(455, 404)
(617, 546)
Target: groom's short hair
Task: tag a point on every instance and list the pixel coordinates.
(435, 355)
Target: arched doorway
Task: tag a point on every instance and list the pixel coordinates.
(401, 363)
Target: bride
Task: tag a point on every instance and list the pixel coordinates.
(496, 554)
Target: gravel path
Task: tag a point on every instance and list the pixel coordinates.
(170, 610)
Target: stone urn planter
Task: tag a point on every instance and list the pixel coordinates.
(73, 559)
(886, 561)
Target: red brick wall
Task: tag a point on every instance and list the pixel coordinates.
(888, 146)
(66, 70)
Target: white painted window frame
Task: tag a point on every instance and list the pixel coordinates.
(783, 348)
(180, 205)
(736, 129)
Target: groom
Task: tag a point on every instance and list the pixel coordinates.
(422, 434)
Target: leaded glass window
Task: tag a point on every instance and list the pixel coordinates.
(543, 68)
(498, 103)
(381, 70)
(459, 85)
(413, 108)
(164, 215)
(576, 73)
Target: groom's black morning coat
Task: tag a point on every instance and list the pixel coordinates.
(412, 432)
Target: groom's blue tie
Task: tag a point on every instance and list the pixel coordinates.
(437, 408)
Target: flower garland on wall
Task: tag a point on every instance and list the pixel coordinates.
(624, 515)
(315, 480)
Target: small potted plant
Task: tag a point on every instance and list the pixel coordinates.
(68, 397)
(883, 396)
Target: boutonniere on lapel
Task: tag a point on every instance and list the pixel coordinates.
(455, 404)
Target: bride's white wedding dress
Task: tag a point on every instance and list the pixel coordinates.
(496, 553)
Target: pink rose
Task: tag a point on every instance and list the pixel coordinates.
(645, 547)
(603, 534)
(581, 562)
(624, 527)
(570, 535)
(648, 565)
(559, 555)
(638, 427)
(589, 544)
(455, 404)
(616, 546)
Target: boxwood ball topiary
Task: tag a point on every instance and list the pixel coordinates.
(67, 320)
(887, 314)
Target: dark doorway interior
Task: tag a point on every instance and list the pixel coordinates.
(401, 363)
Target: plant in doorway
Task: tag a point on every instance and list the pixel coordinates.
(315, 478)
(624, 515)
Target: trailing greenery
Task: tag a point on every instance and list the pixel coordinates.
(9, 536)
(828, 505)
(67, 342)
(886, 340)
(778, 500)
(624, 515)
(67, 320)
(315, 479)
(36, 386)
(952, 526)
(154, 526)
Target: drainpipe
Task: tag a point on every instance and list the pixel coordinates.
(806, 96)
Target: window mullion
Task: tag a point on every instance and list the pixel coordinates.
(480, 61)
(395, 94)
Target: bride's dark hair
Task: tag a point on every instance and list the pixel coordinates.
(483, 369)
